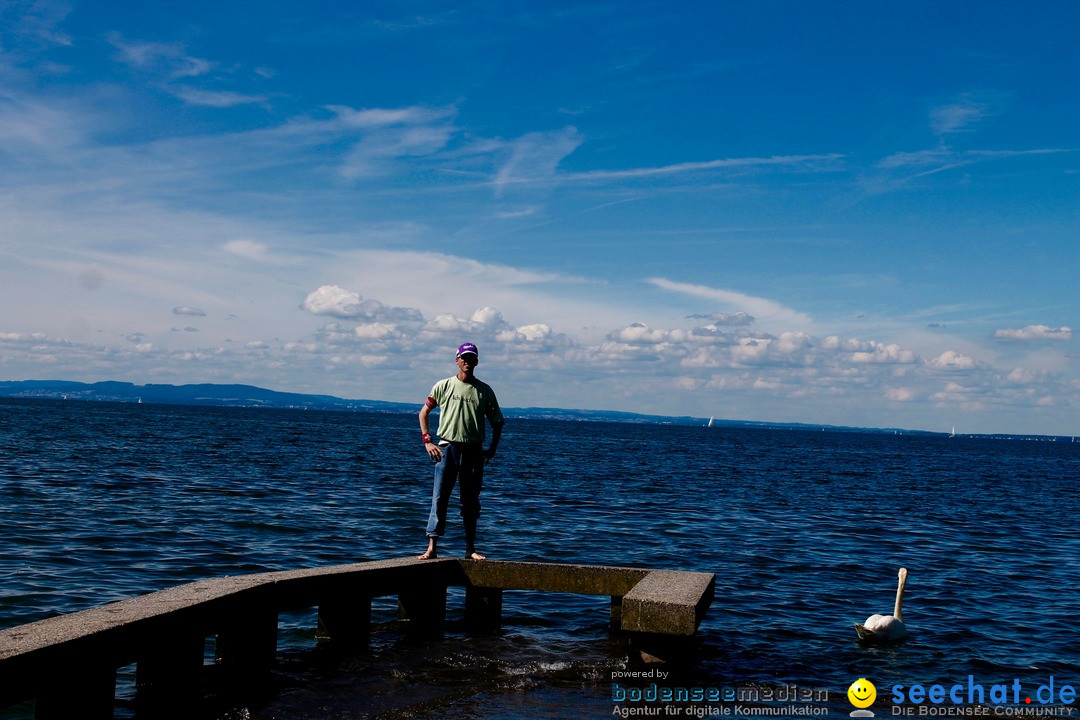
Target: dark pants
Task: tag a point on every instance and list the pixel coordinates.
(462, 463)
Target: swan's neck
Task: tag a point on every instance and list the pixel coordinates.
(900, 595)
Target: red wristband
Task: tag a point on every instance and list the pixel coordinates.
(426, 437)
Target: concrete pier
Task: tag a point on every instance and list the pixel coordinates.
(68, 663)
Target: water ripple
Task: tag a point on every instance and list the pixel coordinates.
(805, 531)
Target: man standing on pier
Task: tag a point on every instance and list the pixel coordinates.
(465, 402)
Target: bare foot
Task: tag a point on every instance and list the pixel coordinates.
(430, 554)
(475, 556)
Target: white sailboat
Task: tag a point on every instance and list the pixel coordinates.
(953, 433)
(710, 421)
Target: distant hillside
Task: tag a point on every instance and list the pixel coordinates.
(251, 396)
(201, 394)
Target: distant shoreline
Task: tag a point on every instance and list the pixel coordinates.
(250, 396)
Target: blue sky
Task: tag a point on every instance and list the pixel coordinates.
(860, 213)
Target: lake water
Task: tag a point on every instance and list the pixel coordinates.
(804, 530)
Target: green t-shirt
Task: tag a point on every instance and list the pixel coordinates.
(463, 407)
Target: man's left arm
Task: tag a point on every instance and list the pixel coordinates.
(496, 433)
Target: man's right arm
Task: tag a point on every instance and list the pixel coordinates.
(433, 450)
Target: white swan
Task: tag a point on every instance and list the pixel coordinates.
(883, 628)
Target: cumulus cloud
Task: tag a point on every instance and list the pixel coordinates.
(485, 322)
(376, 330)
(335, 301)
(1035, 332)
(638, 334)
(952, 360)
(876, 352)
(23, 337)
(185, 310)
(534, 331)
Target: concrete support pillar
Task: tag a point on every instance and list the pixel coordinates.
(483, 609)
(345, 622)
(84, 688)
(616, 614)
(247, 644)
(425, 608)
(168, 678)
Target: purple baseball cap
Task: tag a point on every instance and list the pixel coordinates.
(467, 349)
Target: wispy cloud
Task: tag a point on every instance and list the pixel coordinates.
(534, 157)
(216, 98)
(252, 250)
(760, 308)
(802, 163)
(168, 60)
(962, 115)
(942, 158)
(37, 22)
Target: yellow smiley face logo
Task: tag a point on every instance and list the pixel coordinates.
(862, 693)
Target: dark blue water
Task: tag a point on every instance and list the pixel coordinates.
(804, 530)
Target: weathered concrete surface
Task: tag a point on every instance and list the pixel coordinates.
(665, 602)
(202, 601)
(54, 651)
(552, 577)
(668, 602)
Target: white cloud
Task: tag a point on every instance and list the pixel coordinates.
(23, 337)
(333, 301)
(534, 332)
(184, 310)
(952, 360)
(338, 302)
(376, 330)
(726, 319)
(638, 334)
(884, 353)
(1035, 332)
(374, 118)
